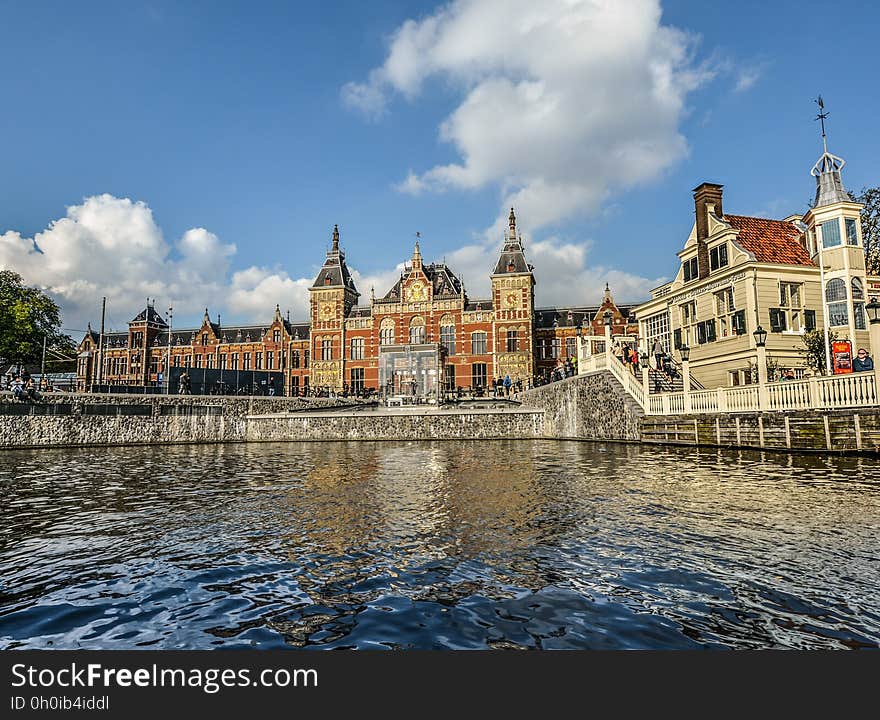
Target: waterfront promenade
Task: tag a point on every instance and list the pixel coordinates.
(592, 406)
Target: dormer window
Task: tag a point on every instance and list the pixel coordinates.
(691, 271)
(510, 266)
(327, 280)
(718, 257)
(204, 338)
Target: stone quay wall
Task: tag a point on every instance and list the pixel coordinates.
(119, 419)
(399, 425)
(855, 430)
(586, 407)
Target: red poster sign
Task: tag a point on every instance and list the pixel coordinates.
(841, 356)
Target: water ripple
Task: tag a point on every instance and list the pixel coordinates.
(464, 545)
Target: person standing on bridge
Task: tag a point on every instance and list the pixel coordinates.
(658, 353)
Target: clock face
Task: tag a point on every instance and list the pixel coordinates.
(417, 291)
(510, 300)
(326, 310)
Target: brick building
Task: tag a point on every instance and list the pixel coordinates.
(423, 335)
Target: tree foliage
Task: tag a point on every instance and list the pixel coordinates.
(27, 315)
(870, 198)
(813, 350)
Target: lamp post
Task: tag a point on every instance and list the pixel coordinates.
(873, 310)
(760, 336)
(608, 319)
(685, 353)
(168, 362)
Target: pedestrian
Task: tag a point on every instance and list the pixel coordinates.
(863, 361)
(658, 353)
(617, 350)
(17, 389)
(507, 383)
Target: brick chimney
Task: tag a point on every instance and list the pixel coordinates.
(705, 195)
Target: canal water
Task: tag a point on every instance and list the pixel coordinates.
(525, 544)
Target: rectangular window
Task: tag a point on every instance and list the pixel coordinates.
(691, 269)
(222, 362)
(657, 329)
(357, 379)
(449, 377)
(294, 385)
(791, 306)
(831, 233)
(270, 360)
(305, 384)
(837, 314)
(852, 234)
(554, 348)
(210, 359)
(246, 358)
(357, 348)
(718, 257)
(198, 361)
(688, 312)
(571, 347)
(512, 341)
(306, 360)
(809, 320)
(258, 361)
(276, 336)
(235, 361)
(478, 375)
(327, 349)
(859, 315)
(738, 320)
(706, 332)
(478, 343)
(295, 359)
(724, 312)
(777, 320)
(447, 338)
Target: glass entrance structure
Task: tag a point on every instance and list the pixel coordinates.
(410, 374)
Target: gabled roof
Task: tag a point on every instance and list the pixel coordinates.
(443, 281)
(149, 314)
(770, 241)
(572, 316)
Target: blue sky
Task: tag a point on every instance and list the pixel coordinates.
(259, 125)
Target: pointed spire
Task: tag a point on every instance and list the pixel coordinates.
(607, 297)
(417, 253)
(829, 185)
(207, 317)
(512, 221)
(335, 239)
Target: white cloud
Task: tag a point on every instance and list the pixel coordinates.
(112, 246)
(747, 77)
(109, 246)
(561, 102)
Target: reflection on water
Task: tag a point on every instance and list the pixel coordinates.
(534, 544)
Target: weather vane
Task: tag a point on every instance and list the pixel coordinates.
(821, 118)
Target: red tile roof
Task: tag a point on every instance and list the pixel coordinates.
(770, 241)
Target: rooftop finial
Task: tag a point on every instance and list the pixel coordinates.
(829, 185)
(417, 253)
(335, 238)
(821, 118)
(512, 220)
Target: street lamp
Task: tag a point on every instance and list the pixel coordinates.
(761, 344)
(760, 337)
(685, 353)
(873, 310)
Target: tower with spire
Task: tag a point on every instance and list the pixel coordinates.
(331, 298)
(835, 243)
(513, 297)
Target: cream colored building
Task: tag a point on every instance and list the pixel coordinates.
(737, 273)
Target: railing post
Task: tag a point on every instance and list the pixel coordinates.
(815, 400)
(722, 400)
(686, 384)
(763, 395)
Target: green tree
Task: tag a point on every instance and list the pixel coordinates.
(27, 315)
(870, 198)
(813, 350)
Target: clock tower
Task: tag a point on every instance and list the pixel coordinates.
(331, 298)
(513, 299)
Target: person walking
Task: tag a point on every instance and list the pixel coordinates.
(507, 383)
(658, 353)
(863, 361)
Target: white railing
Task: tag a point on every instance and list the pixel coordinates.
(816, 393)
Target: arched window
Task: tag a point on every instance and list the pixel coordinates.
(835, 290)
(386, 332)
(447, 333)
(835, 296)
(858, 290)
(417, 330)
